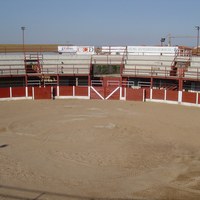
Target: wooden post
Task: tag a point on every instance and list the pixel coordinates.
(151, 82)
(180, 84)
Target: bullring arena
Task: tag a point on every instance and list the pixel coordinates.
(106, 124)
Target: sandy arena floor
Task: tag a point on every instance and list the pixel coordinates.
(81, 149)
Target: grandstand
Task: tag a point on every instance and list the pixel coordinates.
(167, 74)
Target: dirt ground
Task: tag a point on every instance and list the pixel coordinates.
(17, 48)
(85, 149)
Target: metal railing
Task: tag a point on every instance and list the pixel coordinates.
(73, 69)
(113, 83)
(136, 71)
(34, 82)
(12, 71)
(151, 71)
(96, 82)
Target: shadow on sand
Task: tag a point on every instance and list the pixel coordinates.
(39, 195)
(3, 145)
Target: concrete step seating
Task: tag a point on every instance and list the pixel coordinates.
(192, 73)
(66, 69)
(107, 59)
(147, 70)
(80, 64)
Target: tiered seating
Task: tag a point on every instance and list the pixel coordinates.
(11, 64)
(134, 65)
(107, 59)
(193, 70)
(66, 64)
(148, 65)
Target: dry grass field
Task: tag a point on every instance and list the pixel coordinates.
(14, 48)
(81, 149)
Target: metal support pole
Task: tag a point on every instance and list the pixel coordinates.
(23, 29)
(197, 27)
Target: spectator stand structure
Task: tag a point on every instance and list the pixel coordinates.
(163, 74)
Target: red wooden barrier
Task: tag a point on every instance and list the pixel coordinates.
(104, 92)
(112, 89)
(4, 92)
(111, 81)
(189, 97)
(134, 94)
(42, 92)
(30, 92)
(66, 90)
(199, 99)
(158, 94)
(147, 93)
(81, 91)
(172, 95)
(94, 92)
(18, 92)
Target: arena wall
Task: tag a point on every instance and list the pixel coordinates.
(112, 93)
(59, 69)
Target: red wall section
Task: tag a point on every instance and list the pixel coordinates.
(94, 95)
(42, 92)
(66, 90)
(18, 92)
(189, 97)
(115, 95)
(105, 92)
(81, 91)
(134, 94)
(131, 94)
(147, 93)
(30, 92)
(4, 92)
(158, 94)
(172, 95)
(111, 81)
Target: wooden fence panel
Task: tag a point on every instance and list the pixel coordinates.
(171, 95)
(134, 94)
(42, 92)
(189, 97)
(81, 91)
(18, 92)
(5, 92)
(66, 90)
(112, 93)
(158, 94)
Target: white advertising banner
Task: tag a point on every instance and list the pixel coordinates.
(85, 50)
(114, 49)
(151, 50)
(67, 49)
(76, 49)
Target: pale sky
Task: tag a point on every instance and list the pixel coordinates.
(99, 22)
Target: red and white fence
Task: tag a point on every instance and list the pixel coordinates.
(104, 93)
